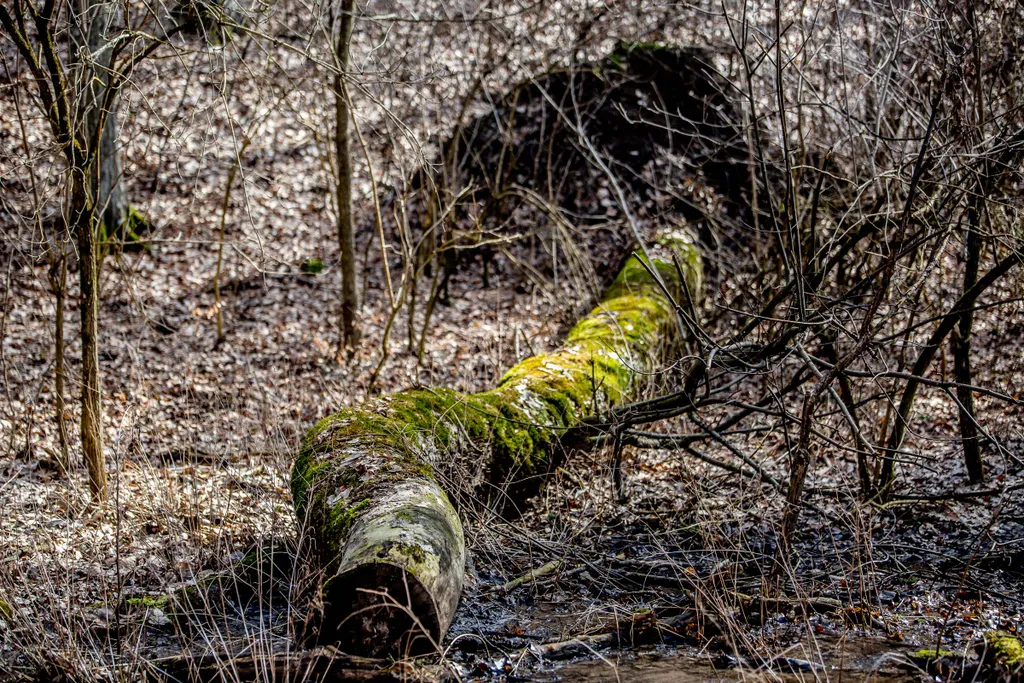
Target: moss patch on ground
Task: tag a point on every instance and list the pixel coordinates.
(159, 602)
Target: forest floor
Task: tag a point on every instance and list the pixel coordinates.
(200, 437)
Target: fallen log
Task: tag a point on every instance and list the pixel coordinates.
(373, 486)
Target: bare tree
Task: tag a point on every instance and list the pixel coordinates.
(76, 93)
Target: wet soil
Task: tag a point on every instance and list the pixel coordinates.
(855, 659)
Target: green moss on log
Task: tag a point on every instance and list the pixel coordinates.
(1004, 649)
(312, 266)
(411, 433)
(353, 463)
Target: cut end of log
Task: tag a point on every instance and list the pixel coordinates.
(397, 582)
(380, 609)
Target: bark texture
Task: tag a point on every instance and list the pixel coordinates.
(58, 284)
(87, 211)
(92, 387)
(373, 486)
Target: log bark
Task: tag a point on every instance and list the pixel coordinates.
(1001, 648)
(373, 486)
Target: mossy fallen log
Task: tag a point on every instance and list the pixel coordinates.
(373, 485)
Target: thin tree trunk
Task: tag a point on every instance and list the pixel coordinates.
(111, 197)
(962, 335)
(59, 280)
(92, 390)
(110, 201)
(830, 351)
(802, 458)
(225, 204)
(924, 360)
(962, 356)
(87, 214)
(346, 234)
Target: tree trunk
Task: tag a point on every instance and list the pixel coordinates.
(962, 335)
(373, 486)
(346, 235)
(924, 360)
(58, 282)
(111, 197)
(110, 201)
(962, 357)
(92, 391)
(225, 205)
(87, 209)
